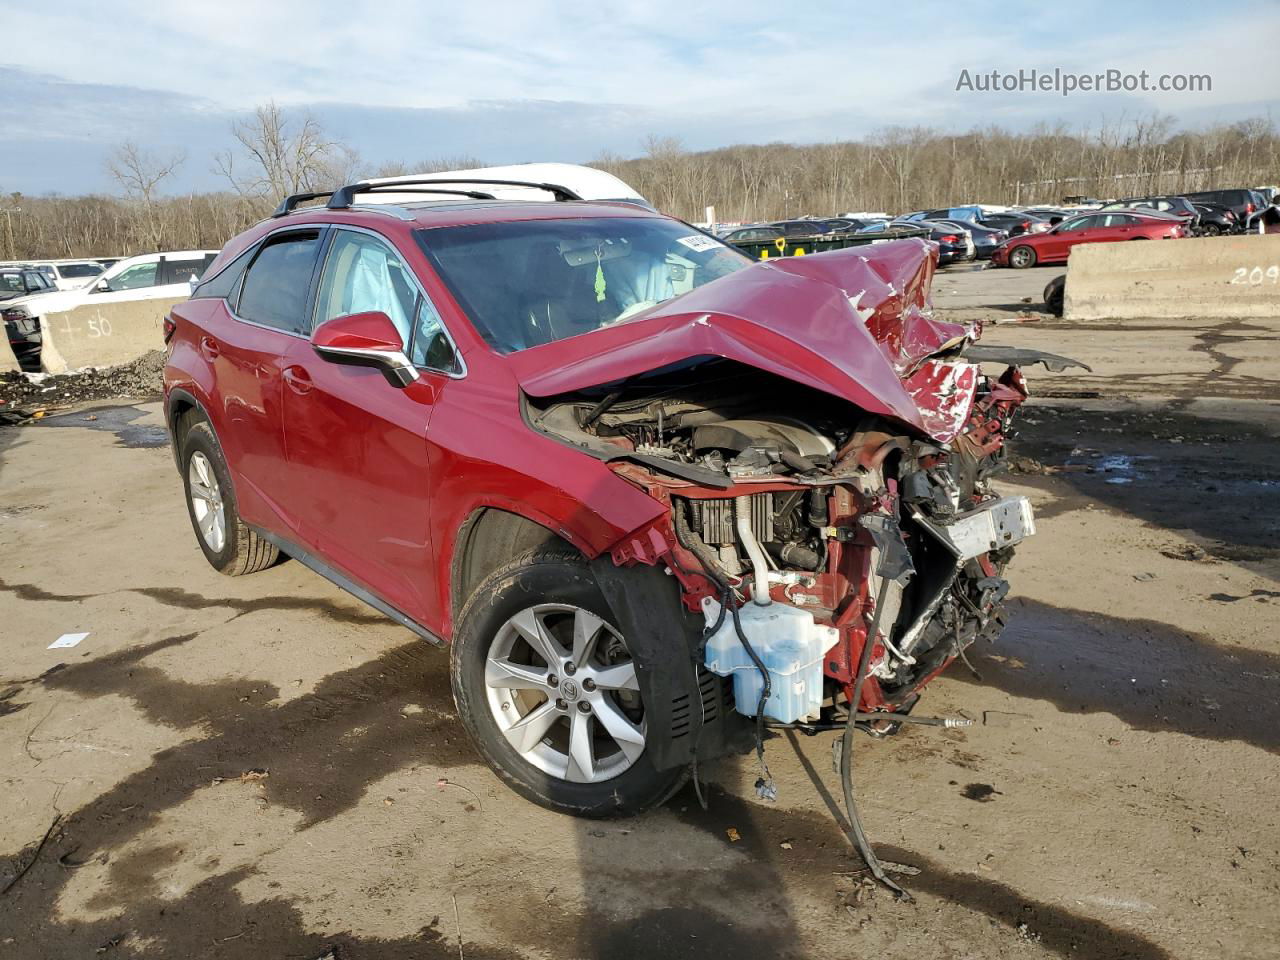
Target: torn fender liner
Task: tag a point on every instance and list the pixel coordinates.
(686, 708)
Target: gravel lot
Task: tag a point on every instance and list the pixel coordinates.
(263, 767)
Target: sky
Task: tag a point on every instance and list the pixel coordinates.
(519, 80)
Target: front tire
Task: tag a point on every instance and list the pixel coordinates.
(548, 692)
(227, 543)
(1022, 257)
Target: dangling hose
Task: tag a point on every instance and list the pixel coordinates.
(856, 834)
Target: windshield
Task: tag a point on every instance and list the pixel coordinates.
(11, 283)
(531, 282)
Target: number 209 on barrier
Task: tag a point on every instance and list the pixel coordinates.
(1257, 276)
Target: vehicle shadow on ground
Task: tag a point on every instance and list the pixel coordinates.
(1152, 676)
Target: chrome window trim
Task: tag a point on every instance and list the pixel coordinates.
(417, 284)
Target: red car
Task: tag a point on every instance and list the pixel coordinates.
(1054, 246)
(654, 494)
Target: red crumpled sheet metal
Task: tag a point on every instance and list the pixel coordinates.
(856, 323)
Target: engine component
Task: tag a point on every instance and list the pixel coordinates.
(789, 642)
(995, 525)
(713, 520)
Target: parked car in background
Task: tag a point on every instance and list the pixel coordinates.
(1055, 245)
(802, 228)
(23, 333)
(985, 239)
(69, 274)
(1216, 219)
(761, 231)
(1242, 202)
(150, 276)
(954, 243)
(1053, 215)
(1016, 224)
(1180, 207)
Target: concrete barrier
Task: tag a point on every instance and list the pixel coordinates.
(1204, 277)
(8, 361)
(102, 334)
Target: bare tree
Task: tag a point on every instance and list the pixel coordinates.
(140, 174)
(277, 156)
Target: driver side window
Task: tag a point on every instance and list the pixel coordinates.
(363, 274)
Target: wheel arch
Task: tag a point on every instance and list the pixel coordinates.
(177, 404)
(492, 536)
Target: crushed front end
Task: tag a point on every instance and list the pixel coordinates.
(797, 504)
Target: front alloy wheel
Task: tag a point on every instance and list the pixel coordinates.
(549, 692)
(563, 691)
(1022, 257)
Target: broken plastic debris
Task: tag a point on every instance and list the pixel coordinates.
(765, 789)
(67, 640)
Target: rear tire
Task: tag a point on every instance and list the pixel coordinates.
(528, 732)
(1021, 257)
(226, 541)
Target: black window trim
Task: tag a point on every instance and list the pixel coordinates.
(421, 298)
(233, 300)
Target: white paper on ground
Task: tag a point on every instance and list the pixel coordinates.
(67, 640)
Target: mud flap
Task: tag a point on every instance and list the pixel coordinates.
(689, 711)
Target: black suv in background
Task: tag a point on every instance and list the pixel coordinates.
(1243, 203)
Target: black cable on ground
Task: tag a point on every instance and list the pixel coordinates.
(856, 834)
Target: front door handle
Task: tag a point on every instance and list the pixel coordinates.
(298, 380)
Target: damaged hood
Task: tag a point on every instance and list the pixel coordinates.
(854, 323)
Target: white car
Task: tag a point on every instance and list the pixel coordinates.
(151, 276)
(68, 274)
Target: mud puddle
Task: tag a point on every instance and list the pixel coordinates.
(117, 420)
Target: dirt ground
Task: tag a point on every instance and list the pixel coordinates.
(264, 767)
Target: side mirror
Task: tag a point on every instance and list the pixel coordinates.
(365, 340)
(101, 287)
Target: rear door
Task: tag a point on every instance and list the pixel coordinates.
(246, 340)
(359, 472)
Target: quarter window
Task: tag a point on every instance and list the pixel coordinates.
(277, 285)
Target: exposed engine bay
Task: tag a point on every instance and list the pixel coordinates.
(823, 495)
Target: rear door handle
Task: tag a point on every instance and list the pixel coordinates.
(298, 380)
(209, 348)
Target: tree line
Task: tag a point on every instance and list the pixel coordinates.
(273, 154)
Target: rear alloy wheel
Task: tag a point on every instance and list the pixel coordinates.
(226, 541)
(549, 693)
(1211, 229)
(1022, 257)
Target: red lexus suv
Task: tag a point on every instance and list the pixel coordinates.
(657, 496)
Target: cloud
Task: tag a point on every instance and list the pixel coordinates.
(508, 80)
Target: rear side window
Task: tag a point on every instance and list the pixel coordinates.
(278, 283)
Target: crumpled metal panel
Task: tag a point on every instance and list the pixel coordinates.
(854, 323)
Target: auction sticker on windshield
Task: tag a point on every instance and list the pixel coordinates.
(698, 243)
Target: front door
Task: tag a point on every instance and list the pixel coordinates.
(356, 445)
